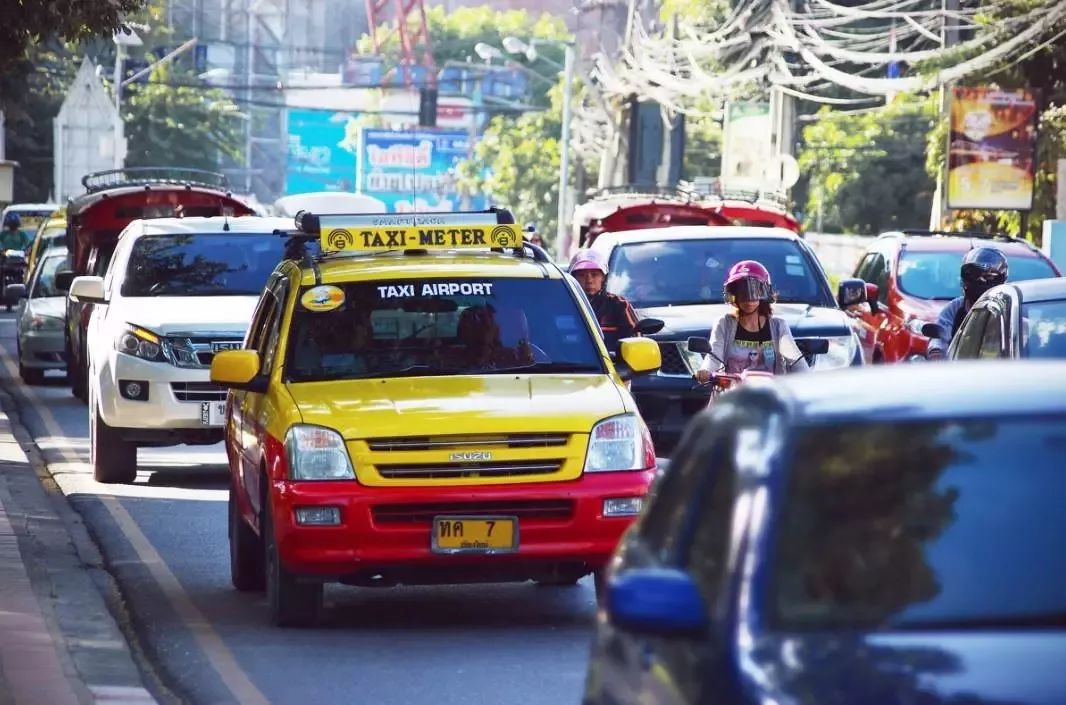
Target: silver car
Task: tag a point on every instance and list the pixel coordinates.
(41, 316)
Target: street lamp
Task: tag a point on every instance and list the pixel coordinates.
(487, 52)
(122, 40)
(514, 45)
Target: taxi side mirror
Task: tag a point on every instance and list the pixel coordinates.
(637, 356)
(238, 369)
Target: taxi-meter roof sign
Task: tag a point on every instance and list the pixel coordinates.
(346, 238)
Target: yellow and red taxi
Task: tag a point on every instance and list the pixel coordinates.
(426, 398)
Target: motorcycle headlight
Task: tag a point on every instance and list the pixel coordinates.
(141, 343)
(840, 354)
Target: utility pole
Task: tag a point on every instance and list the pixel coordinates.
(948, 38)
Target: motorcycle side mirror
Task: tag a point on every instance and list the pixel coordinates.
(699, 345)
(14, 293)
(927, 330)
(63, 280)
(650, 326)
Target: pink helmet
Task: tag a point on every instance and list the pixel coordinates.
(750, 278)
(588, 259)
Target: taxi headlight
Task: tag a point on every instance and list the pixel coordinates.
(317, 453)
(141, 343)
(840, 354)
(620, 443)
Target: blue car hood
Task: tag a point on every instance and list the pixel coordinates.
(803, 320)
(946, 668)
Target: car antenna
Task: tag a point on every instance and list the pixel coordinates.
(225, 215)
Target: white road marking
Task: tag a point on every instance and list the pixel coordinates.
(218, 654)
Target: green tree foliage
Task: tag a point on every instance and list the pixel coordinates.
(1045, 72)
(170, 124)
(516, 163)
(866, 172)
(454, 34)
(27, 24)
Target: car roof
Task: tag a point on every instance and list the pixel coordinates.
(32, 207)
(958, 243)
(691, 232)
(252, 224)
(389, 266)
(925, 390)
(1050, 289)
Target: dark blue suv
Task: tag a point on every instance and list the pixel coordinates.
(813, 544)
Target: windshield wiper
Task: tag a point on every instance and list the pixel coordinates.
(545, 367)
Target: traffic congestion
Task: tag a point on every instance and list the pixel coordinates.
(420, 458)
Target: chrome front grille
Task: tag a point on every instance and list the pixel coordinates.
(521, 440)
(525, 510)
(198, 351)
(198, 391)
(485, 469)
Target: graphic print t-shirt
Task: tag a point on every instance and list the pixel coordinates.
(751, 351)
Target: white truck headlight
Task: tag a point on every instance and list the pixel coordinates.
(141, 343)
(840, 354)
(620, 443)
(317, 453)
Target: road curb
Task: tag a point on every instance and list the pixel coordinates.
(80, 596)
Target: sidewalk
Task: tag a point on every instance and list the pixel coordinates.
(59, 644)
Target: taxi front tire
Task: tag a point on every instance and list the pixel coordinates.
(245, 552)
(292, 603)
(114, 460)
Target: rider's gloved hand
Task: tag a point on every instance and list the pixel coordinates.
(703, 376)
(934, 354)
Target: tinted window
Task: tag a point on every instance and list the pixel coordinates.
(935, 275)
(1044, 329)
(686, 272)
(992, 343)
(439, 327)
(951, 522)
(44, 284)
(971, 333)
(201, 264)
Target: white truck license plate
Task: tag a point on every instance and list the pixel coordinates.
(212, 413)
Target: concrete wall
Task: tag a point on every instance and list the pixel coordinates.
(839, 253)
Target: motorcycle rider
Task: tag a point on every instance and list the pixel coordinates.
(982, 268)
(615, 314)
(751, 337)
(12, 237)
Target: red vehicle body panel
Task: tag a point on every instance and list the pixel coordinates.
(384, 529)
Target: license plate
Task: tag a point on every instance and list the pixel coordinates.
(226, 345)
(475, 534)
(212, 413)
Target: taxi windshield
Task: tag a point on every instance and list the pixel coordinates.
(202, 264)
(437, 327)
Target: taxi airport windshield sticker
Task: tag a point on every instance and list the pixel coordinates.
(322, 298)
(420, 237)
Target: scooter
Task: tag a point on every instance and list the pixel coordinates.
(721, 381)
(12, 271)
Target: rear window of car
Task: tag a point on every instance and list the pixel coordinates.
(1044, 329)
(935, 275)
(940, 523)
(201, 264)
(432, 327)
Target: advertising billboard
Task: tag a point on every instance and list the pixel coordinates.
(322, 151)
(991, 149)
(746, 147)
(414, 170)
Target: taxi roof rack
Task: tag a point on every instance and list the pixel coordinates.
(311, 224)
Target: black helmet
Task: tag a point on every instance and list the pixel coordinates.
(12, 220)
(982, 269)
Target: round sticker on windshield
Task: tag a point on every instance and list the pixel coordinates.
(322, 298)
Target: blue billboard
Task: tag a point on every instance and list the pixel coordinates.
(322, 149)
(415, 170)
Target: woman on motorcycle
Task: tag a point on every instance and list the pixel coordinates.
(750, 337)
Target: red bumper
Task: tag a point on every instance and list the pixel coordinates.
(386, 531)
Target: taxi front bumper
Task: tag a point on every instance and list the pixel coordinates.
(384, 535)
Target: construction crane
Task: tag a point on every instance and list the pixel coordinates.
(414, 41)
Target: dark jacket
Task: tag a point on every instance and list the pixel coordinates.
(616, 317)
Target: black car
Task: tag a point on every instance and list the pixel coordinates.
(808, 544)
(677, 274)
(1015, 320)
